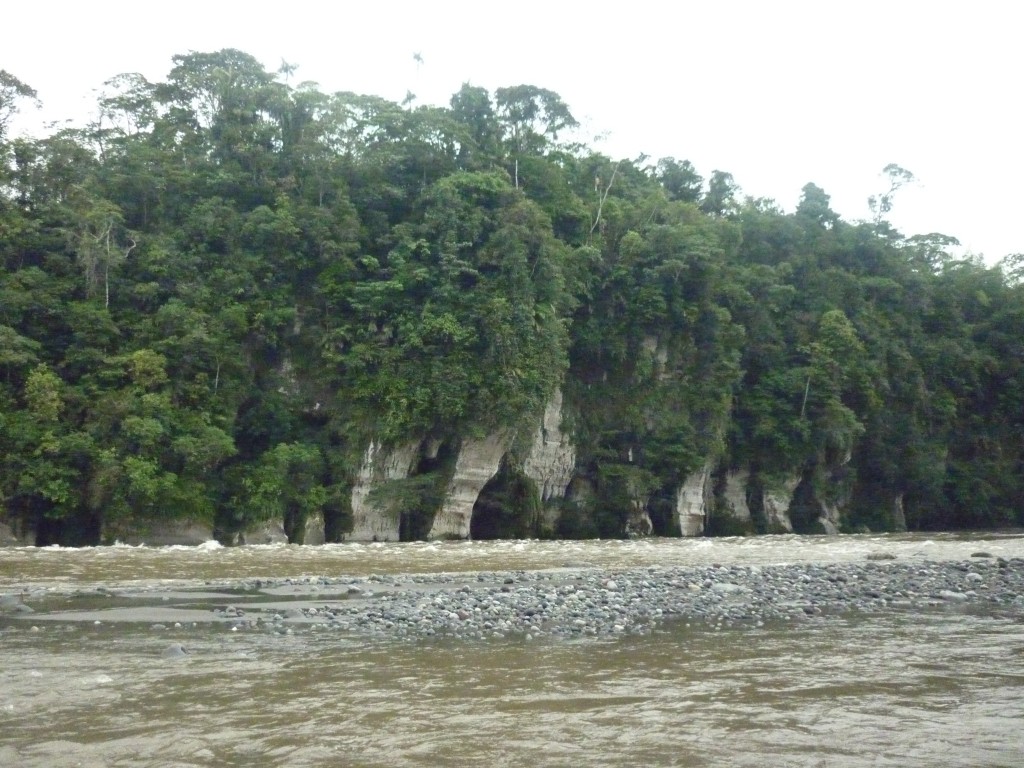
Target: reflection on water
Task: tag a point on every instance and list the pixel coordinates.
(939, 689)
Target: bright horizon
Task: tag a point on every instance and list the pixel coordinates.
(777, 94)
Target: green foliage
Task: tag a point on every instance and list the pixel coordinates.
(212, 300)
(464, 330)
(42, 395)
(285, 486)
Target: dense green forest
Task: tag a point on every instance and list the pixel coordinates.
(217, 295)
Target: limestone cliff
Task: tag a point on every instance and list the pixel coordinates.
(775, 503)
(369, 521)
(899, 517)
(273, 533)
(745, 503)
(638, 523)
(478, 462)
(734, 496)
(692, 498)
(549, 463)
(830, 519)
(552, 457)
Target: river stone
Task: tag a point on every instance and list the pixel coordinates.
(485, 605)
(174, 651)
(727, 587)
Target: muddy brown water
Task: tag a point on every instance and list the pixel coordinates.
(932, 688)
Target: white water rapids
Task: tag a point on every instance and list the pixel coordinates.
(63, 568)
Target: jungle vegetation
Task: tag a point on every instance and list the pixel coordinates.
(215, 295)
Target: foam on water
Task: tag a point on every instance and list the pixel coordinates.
(67, 568)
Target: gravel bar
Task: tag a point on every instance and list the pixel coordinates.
(570, 602)
(601, 603)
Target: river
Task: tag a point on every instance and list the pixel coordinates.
(87, 678)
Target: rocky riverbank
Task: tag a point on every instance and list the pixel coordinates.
(552, 603)
(558, 603)
(601, 603)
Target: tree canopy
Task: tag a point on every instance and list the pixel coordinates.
(218, 294)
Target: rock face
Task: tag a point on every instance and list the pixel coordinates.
(832, 510)
(734, 498)
(776, 506)
(831, 519)
(314, 531)
(478, 462)
(552, 458)
(899, 517)
(271, 532)
(639, 524)
(659, 354)
(12, 537)
(691, 507)
(369, 522)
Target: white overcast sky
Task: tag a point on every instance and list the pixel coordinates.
(779, 92)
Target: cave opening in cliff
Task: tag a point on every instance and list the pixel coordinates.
(661, 509)
(507, 508)
(804, 509)
(422, 493)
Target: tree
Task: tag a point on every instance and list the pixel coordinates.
(814, 206)
(472, 107)
(881, 204)
(12, 92)
(533, 116)
(680, 179)
(720, 199)
(1012, 266)
(95, 240)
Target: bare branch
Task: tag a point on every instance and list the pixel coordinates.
(603, 196)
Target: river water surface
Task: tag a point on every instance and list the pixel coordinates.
(942, 687)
